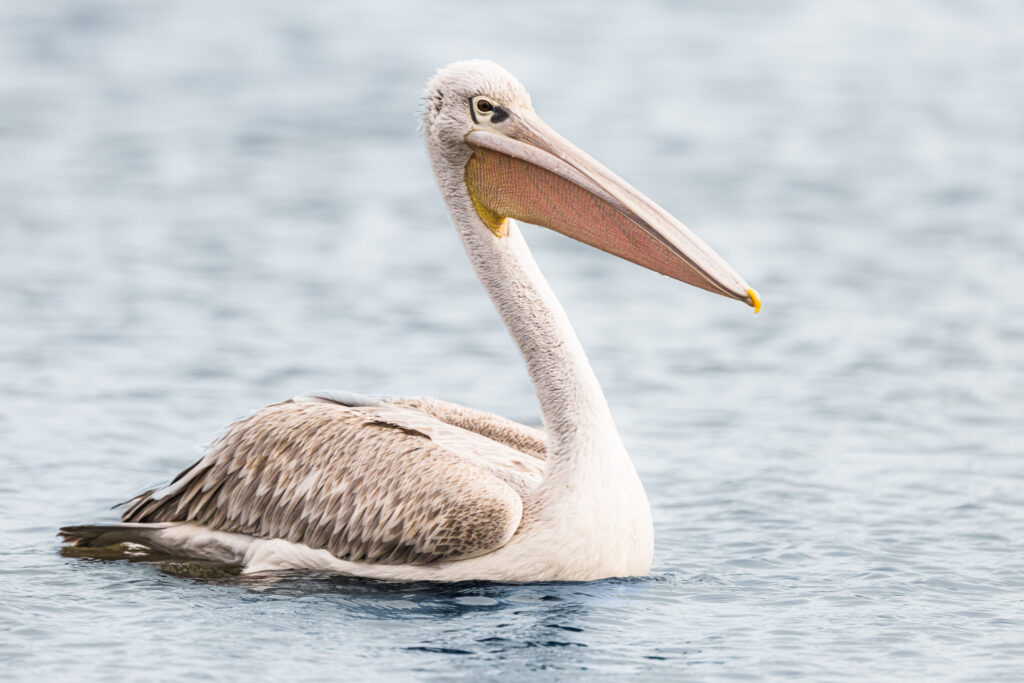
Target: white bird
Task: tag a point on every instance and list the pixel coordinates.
(421, 489)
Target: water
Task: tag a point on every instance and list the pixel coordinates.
(207, 208)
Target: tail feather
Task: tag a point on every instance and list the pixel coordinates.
(103, 535)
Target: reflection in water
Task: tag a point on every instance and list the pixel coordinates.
(174, 566)
(523, 621)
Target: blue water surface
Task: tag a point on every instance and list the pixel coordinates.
(209, 207)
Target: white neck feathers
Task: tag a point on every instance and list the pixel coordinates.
(590, 497)
(582, 437)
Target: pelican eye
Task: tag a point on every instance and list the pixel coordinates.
(484, 110)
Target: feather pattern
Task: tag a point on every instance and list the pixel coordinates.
(408, 481)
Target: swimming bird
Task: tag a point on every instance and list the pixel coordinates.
(410, 489)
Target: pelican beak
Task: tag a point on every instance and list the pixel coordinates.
(529, 172)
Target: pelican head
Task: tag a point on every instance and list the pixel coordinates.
(486, 142)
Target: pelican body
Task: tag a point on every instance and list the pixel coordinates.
(420, 489)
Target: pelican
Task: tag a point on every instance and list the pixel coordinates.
(418, 489)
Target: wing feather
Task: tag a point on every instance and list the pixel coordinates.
(494, 427)
(364, 485)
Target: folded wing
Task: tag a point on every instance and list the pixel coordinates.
(385, 481)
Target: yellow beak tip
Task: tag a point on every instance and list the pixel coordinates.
(754, 299)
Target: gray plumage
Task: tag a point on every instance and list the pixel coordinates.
(389, 481)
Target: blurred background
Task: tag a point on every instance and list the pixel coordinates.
(209, 207)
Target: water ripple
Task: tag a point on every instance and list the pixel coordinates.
(205, 210)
